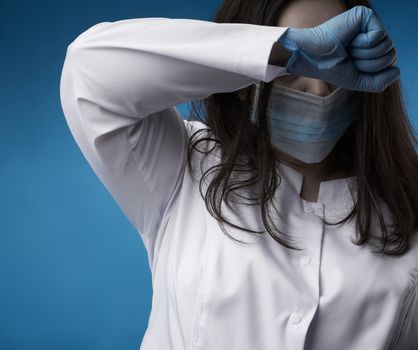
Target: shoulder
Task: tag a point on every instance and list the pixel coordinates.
(194, 125)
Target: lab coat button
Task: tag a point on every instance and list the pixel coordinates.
(309, 208)
(295, 317)
(305, 260)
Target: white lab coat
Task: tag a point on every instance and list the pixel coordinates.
(119, 87)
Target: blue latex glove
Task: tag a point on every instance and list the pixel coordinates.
(351, 50)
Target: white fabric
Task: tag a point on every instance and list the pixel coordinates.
(119, 86)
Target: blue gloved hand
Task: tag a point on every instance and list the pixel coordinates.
(351, 50)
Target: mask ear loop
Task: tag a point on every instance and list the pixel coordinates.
(255, 101)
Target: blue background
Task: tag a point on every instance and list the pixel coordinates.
(74, 273)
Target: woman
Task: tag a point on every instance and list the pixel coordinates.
(350, 155)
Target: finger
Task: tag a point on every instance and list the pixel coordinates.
(380, 81)
(379, 50)
(377, 64)
(372, 31)
(359, 21)
(368, 39)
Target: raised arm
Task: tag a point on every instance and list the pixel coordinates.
(119, 86)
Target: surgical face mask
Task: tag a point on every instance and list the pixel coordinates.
(307, 126)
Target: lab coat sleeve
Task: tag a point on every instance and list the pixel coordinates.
(120, 83)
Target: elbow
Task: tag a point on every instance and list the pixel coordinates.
(85, 37)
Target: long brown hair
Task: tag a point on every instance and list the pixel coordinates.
(379, 148)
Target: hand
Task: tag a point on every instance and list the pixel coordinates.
(351, 50)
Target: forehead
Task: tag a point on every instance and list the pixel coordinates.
(309, 13)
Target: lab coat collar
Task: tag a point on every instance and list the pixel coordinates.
(332, 193)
